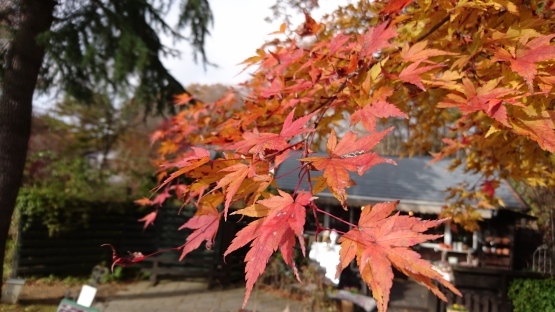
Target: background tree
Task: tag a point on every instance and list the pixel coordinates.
(81, 154)
(82, 48)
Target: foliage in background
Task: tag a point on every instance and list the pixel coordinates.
(533, 294)
(83, 157)
(542, 203)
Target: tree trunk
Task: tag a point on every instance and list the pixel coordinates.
(22, 64)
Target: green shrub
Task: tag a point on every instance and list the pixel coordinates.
(533, 295)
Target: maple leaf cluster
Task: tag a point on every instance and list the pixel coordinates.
(381, 241)
(477, 75)
(483, 70)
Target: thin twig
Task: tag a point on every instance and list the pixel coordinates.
(335, 217)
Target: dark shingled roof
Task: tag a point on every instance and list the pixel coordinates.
(419, 185)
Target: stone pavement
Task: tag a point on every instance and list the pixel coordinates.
(192, 296)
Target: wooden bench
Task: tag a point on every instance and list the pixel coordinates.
(198, 265)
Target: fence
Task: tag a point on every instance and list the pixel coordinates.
(77, 252)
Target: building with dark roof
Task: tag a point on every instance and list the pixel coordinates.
(421, 188)
(418, 184)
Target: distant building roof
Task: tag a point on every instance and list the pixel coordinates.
(419, 185)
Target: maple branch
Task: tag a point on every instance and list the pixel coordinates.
(164, 250)
(302, 173)
(312, 205)
(288, 172)
(288, 147)
(434, 28)
(335, 217)
(310, 136)
(134, 256)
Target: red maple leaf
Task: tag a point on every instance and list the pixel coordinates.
(160, 198)
(395, 6)
(487, 98)
(134, 257)
(205, 228)
(524, 58)
(275, 88)
(376, 39)
(299, 86)
(489, 186)
(381, 241)
(378, 108)
(255, 142)
(148, 219)
(349, 154)
(338, 43)
(278, 230)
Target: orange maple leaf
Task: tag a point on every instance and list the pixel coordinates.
(418, 52)
(524, 58)
(143, 201)
(537, 125)
(349, 154)
(191, 160)
(309, 27)
(156, 135)
(411, 73)
(381, 241)
(232, 180)
(182, 99)
(278, 230)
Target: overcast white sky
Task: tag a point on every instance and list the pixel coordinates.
(239, 29)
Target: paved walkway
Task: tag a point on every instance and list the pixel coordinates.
(406, 296)
(192, 296)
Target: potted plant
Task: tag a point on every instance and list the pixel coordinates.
(12, 290)
(457, 308)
